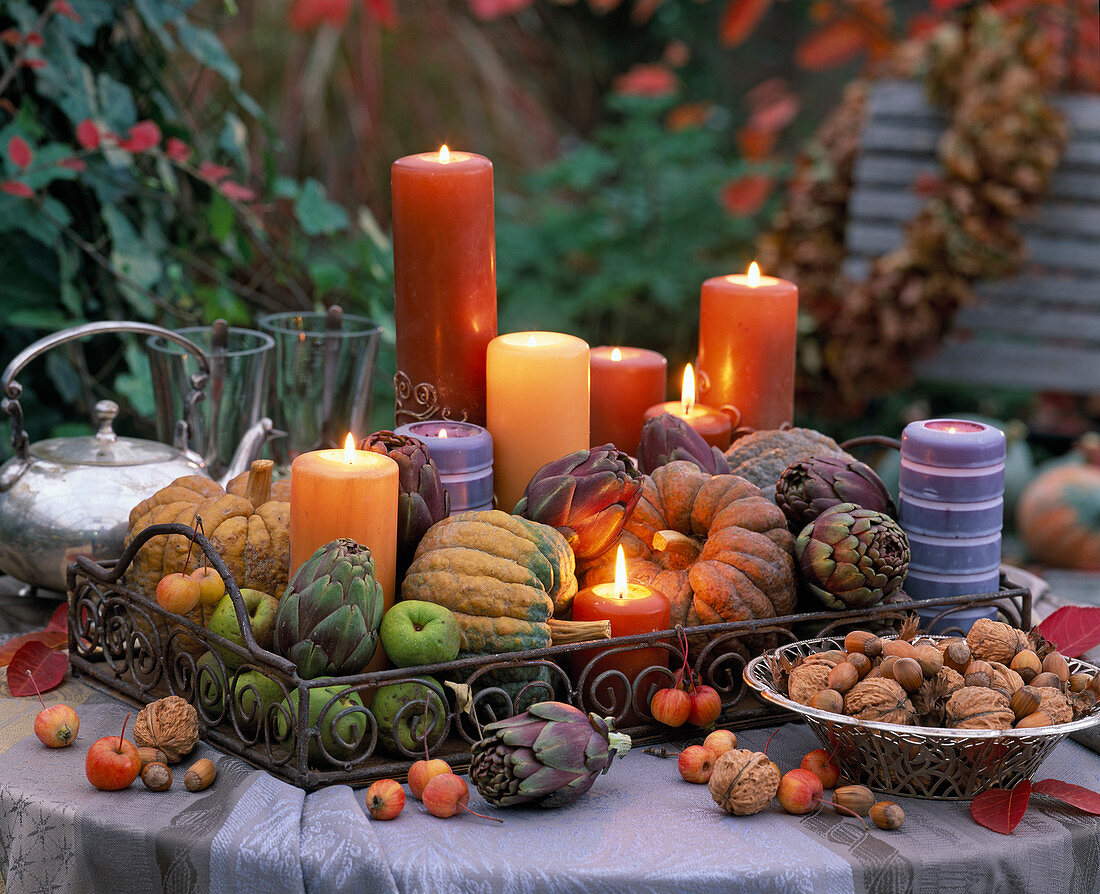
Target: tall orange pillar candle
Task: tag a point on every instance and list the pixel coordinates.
(747, 338)
(631, 608)
(445, 293)
(346, 493)
(536, 405)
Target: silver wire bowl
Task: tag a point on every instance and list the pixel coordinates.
(919, 762)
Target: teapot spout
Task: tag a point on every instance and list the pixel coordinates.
(249, 449)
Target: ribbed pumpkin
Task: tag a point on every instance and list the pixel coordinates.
(503, 576)
(1058, 517)
(713, 544)
(251, 535)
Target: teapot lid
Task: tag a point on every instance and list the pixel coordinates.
(104, 448)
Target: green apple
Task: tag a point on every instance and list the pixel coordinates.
(415, 632)
(353, 728)
(247, 688)
(260, 608)
(210, 685)
(408, 728)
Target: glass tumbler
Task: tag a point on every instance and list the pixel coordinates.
(321, 379)
(235, 394)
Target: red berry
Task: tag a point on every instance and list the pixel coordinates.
(706, 706)
(670, 707)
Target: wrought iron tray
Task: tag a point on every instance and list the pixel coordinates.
(125, 643)
(919, 762)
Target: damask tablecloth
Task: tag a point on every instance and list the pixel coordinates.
(640, 829)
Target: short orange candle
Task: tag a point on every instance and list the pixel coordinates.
(714, 425)
(346, 493)
(631, 608)
(747, 337)
(625, 382)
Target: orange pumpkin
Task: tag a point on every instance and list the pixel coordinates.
(1058, 517)
(713, 544)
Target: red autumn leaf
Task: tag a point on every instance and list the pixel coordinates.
(739, 20)
(65, 8)
(755, 144)
(176, 149)
(1075, 795)
(745, 195)
(235, 191)
(651, 81)
(34, 39)
(11, 37)
(382, 11)
(1001, 809)
(772, 117)
(305, 15)
(1074, 629)
(33, 63)
(73, 164)
(211, 171)
(19, 152)
(87, 134)
(835, 44)
(15, 188)
(35, 662)
(59, 620)
(51, 639)
(143, 136)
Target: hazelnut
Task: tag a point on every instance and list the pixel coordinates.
(1055, 664)
(907, 671)
(1079, 682)
(200, 775)
(1026, 664)
(887, 815)
(861, 663)
(1046, 679)
(1024, 701)
(956, 655)
(931, 660)
(864, 642)
(843, 677)
(899, 648)
(1037, 718)
(886, 666)
(857, 798)
(978, 673)
(828, 700)
(833, 655)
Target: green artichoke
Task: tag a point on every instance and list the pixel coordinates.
(422, 499)
(549, 755)
(327, 621)
(588, 496)
(666, 438)
(811, 485)
(852, 557)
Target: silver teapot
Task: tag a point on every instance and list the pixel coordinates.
(67, 497)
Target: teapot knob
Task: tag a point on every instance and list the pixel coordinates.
(103, 415)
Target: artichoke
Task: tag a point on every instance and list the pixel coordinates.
(588, 496)
(422, 500)
(549, 755)
(666, 438)
(852, 557)
(327, 621)
(811, 485)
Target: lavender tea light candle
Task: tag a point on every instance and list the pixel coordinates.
(463, 454)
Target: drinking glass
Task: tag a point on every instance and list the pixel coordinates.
(321, 378)
(235, 393)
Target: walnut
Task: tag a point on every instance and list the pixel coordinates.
(807, 679)
(975, 707)
(1005, 679)
(931, 699)
(995, 641)
(879, 699)
(743, 782)
(1083, 703)
(170, 724)
(1055, 703)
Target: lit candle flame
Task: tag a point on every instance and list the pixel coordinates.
(620, 574)
(442, 433)
(951, 429)
(687, 393)
(444, 154)
(531, 341)
(349, 449)
(754, 274)
(616, 354)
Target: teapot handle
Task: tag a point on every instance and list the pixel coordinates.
(10, 389)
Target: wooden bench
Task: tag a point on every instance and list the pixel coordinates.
(1039, 331)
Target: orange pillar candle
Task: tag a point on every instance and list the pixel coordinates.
(536, 405)
(445, 293)
(714, 425)
(346, 493)
(747, 337)
(631, 608)
(625, 383)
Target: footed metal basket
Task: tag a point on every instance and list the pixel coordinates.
(913, 761)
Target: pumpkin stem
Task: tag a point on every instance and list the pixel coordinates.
(578, 631)
(680, 550)
(258, 488)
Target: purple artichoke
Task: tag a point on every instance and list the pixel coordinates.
(666, 438)
(852, 557)
(811, 485)
(588, 496)
(549, 755)
(422, 500)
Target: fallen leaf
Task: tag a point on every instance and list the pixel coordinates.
(1075, 795)
(1001, 809)
(34, 664)
(59, 620)
(1074, 629)
(51, 639)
